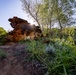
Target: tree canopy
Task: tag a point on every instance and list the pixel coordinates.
(47, 13)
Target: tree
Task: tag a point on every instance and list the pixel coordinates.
(32, 8)
(59, 11)
(48, 12)
(64, 11)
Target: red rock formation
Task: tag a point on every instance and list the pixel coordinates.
(22, 29)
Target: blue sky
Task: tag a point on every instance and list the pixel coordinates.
(8, 9)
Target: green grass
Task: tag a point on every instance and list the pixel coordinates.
(64, 61)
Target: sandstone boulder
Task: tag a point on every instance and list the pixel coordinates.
(22, 29)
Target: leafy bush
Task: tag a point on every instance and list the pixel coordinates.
(3, 33)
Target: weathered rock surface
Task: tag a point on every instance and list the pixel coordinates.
(22, 29)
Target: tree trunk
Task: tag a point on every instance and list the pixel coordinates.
(60, 25)
(50, 25)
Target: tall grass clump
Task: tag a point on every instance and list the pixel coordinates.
(64, 61)
(36, 48)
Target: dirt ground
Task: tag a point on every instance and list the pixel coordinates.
(15, 64)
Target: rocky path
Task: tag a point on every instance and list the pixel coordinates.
(11, 65)
(16, 61)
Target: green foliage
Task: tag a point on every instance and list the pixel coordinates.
(25, 41)
(67, 33)
(2, 31)
(48, 13)
(64, 61)
(36, 47)
(56, 11)
(55, 32)
(3, 54)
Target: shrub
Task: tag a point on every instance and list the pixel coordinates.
(3, 33)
